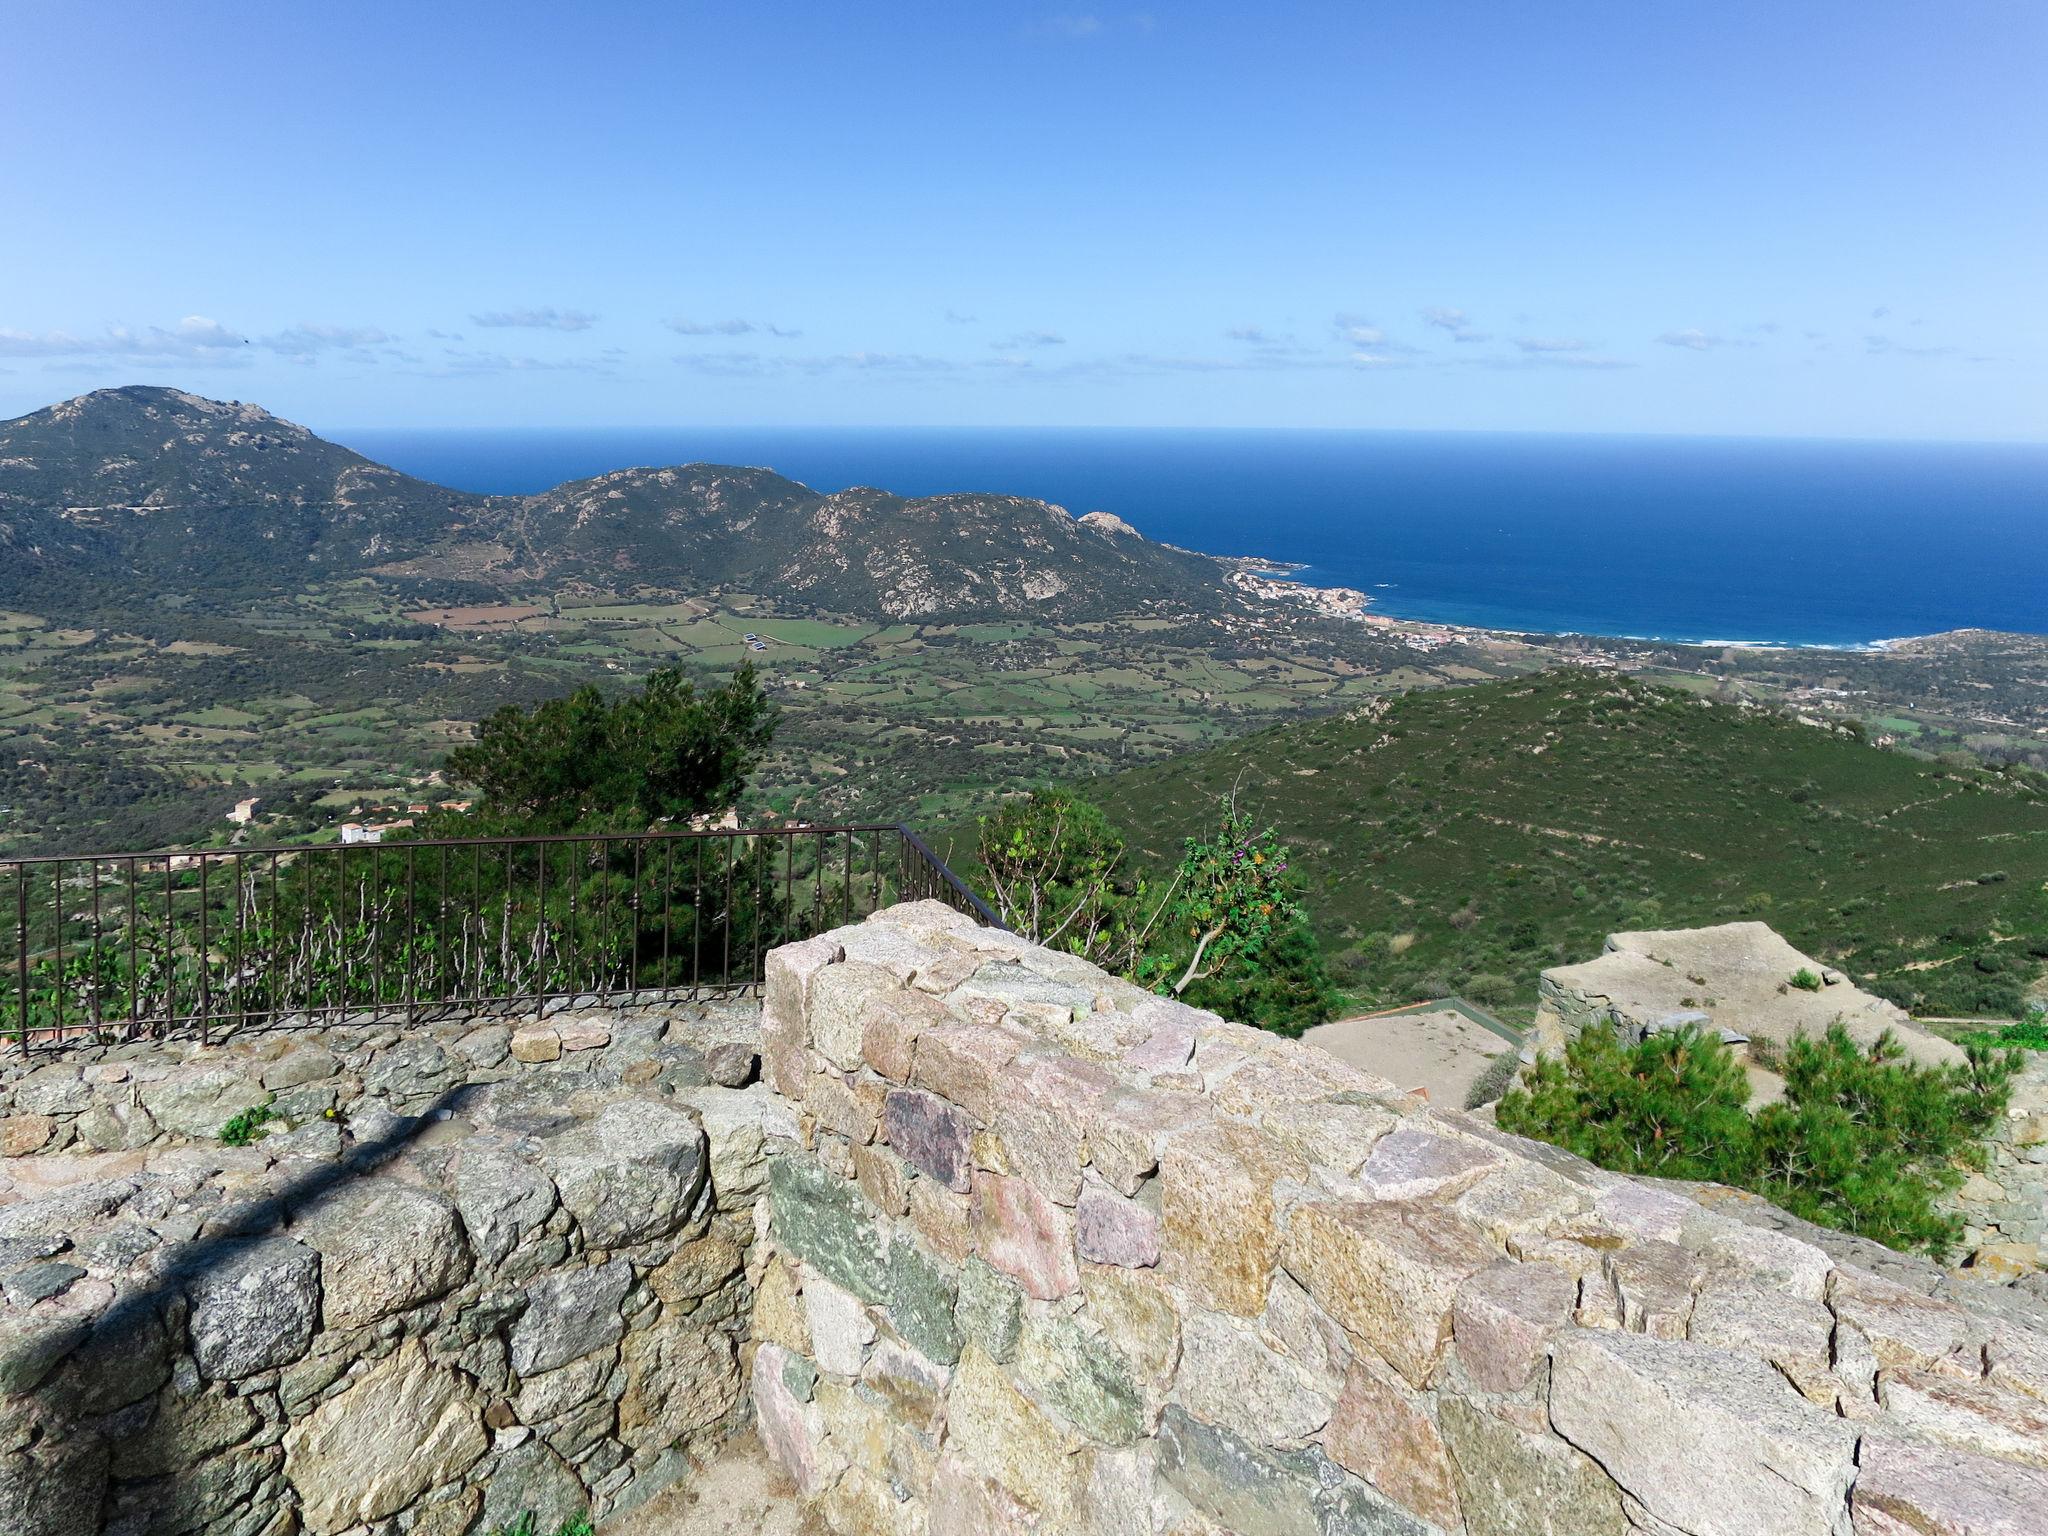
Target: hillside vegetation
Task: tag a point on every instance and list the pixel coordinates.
(1461, 840)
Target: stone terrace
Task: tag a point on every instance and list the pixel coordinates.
(480, 1270)
(1058, 1256)
(999, 1245)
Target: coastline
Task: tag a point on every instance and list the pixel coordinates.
(1253, 572)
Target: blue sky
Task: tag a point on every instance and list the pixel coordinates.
(1827, 217)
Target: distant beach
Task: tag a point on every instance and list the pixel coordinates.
(1779, 542)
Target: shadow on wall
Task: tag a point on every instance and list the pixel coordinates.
(68, 1430)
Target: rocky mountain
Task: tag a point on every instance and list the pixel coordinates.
(131, 493)
(159, 488)
(855, 551)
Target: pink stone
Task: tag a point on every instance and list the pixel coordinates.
(963, 1062)
(933, 1136)
(1171, 1044)
(789, 1429)
(1409, 1164)
(1503, 1318)
(964, 1503)
(1904, 1489)
(1025, 1235)
(1041, 1116)
(583, 1034)
(1383, 1432)
(1111, 1230)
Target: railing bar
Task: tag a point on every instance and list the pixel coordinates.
(277, 959)
(633, 938)
(668, 907)
(241, 938)
(760, 913)
(98, 938)
(205, 955)
(269, 979)
(441, 926)
(411, 950)
(21, 946)
(540, 929)
(57, 911)
(134, 961)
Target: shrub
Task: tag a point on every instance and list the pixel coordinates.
(1866, 1141)
(576, 1525)
(1671, 1104)
(247, 1127)
(1805, 980)
(1494, 1081)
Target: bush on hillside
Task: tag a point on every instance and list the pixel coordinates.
(1226, 931)
(1865, 1141)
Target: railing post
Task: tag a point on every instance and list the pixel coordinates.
(21, 945)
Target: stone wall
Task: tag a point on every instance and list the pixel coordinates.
(476, 1270)
(1053, 1255)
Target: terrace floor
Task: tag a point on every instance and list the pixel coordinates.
(742, 1493)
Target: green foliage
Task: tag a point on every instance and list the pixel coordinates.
(1225, 931)
(1805, 979)
(1671, 1104)
(1866, 1141)
(1498, 1077)
(1053, 866)
(1869, 1141)
(1230, 933)
(2030, 1034)
(589, 762)
(1586, 805)
(247, 1127)
(577, 1525)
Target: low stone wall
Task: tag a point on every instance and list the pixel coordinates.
(1057, 1256)
(2006, 1206)
(108, 1098)
(478, 1271)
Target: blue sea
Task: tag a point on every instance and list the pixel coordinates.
(1706, 539)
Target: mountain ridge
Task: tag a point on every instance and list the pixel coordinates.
(226, 497)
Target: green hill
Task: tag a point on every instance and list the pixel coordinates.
(1462, 840)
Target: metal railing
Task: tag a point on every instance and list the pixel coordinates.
(114, 947)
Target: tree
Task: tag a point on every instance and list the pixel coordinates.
(1229, 932)
(588, 762)
(1226, 931)
(1052, 863)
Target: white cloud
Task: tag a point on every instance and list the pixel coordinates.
(303, 341)
(194, 337)
(1456, 321)
(548, 319)
(1691, 339)
(1029, 339)
(954, 317)
(684, 327)
(1549, 344)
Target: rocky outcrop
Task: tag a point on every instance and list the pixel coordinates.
(453, 1288)
(1736, 978)
(1055, 1255)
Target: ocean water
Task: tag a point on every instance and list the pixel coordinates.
(1754, 540)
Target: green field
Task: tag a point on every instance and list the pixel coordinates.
(1459, 841)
